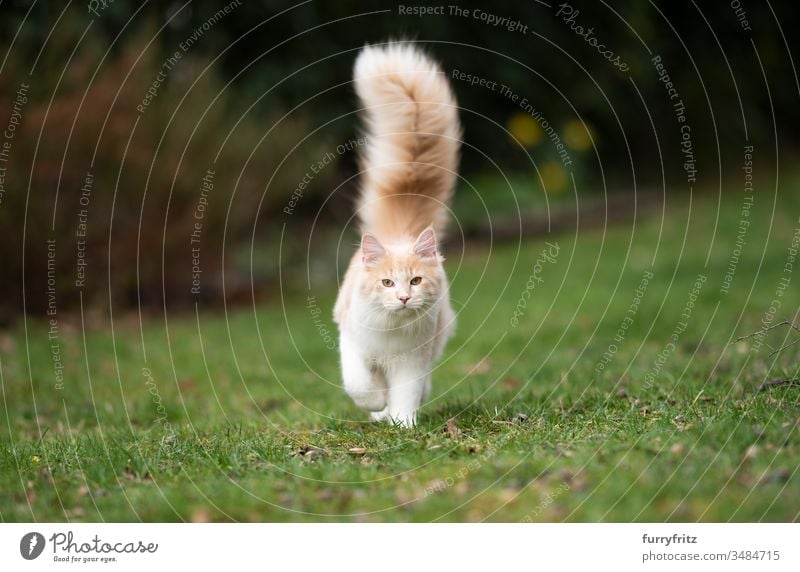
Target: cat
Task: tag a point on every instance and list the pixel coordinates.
(393, 309)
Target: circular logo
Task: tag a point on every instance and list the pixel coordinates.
(31, 545)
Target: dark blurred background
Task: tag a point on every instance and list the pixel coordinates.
(260, 92)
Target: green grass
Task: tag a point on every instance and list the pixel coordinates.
(255, 427)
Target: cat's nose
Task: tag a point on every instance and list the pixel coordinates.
(404, 299)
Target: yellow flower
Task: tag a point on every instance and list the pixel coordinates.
(553, 176)
(578, 135)
(35, 458)
(524, 129)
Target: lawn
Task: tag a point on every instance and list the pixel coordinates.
(595, 378)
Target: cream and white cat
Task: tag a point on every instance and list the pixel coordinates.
(393, 309)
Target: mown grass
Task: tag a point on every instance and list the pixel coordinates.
(523, 423)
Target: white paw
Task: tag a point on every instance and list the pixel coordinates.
(381, 415)
(371, 400)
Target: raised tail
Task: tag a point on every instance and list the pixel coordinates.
(413, 138)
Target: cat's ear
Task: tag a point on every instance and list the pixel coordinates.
(425, 246)
(371, 249)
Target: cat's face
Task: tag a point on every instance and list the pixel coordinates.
(402, 279)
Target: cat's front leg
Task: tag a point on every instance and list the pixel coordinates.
(407, 385)
(364, 385)
(426, 391)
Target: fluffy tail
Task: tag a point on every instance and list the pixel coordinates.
(413, 137)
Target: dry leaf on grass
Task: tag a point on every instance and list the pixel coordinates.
(452, 429)
(479, 368)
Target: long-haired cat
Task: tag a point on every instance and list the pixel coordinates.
(393, 309)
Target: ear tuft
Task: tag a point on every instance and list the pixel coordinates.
(425, 246)
(371, 249)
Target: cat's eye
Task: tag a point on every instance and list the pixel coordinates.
(388, 283)
(416, 280)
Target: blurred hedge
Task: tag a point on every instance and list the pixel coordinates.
(146, 171)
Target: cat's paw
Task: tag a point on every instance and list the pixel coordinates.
(373, 400)
(381, 415)
(409, 420)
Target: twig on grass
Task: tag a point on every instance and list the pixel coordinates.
(768, 328)
(780, 349)
(790, 381)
